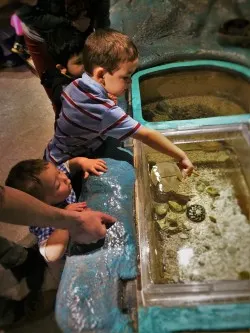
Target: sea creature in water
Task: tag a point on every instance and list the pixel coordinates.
(163, 224)
(212, 219)
(161, 209)
(212, 191)
(196, 213)
(176, 207)
(166, 176)
(173, 227)
(161, 196)
(200, 186)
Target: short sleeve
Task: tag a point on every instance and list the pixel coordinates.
(42, 234)
(118, 124)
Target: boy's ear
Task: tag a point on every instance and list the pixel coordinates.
(61, 68)
(98, 74)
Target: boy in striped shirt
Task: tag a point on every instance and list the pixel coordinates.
(89, 113)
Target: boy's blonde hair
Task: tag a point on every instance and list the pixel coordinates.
(108, 48)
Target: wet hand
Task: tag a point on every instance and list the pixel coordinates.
(91, 226)
(186, 167)
(94, 166)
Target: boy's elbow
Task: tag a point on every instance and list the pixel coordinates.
(143, 134)
(54, 252)
(53, 256)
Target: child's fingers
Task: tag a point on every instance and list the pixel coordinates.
(86, 174)
(102, 161)
(184, 173)
(95, 172)
(101, 168)
(196, 172)
(82, 204)
(187, 172)
(79, 209)
(103, 165)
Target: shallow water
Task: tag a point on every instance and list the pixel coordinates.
(191, 94)
(192, 107)
(218, 247)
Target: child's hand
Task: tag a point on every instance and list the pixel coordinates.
(77, 207)
(186, 167)
(94, 166)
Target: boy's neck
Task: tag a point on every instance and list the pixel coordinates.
(112, 97)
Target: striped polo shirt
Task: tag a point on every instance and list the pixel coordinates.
(88, 116)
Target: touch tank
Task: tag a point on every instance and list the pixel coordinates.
(191, 93)
(194, 233)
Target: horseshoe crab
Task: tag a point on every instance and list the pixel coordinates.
(166, 176)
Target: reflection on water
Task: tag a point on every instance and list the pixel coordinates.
(184, 256)
(216, 246)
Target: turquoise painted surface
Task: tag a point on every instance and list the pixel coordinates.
(175, 30)
(183, 124)
(207, 317)
(88, 294)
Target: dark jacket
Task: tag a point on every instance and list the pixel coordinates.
(47, 14)
(56, 81)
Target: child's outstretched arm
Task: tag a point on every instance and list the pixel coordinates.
(87, 165)
(162, 144)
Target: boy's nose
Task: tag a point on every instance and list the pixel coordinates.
(65, 178)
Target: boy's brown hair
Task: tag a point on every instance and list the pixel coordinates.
(24, 177)
(108, 48)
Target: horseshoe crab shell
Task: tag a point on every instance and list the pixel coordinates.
(166, 176)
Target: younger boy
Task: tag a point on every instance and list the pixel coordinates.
(89, 116)
(65, 44)
(52, 185)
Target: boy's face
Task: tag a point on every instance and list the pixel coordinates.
(56, 185)
(119, 81)
(75, 67)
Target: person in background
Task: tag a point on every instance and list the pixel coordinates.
(41, 17)
(65, 46)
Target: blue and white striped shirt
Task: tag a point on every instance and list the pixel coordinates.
(43, 234)
(88, 116)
